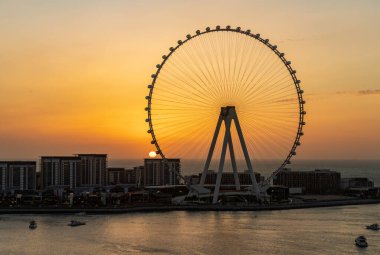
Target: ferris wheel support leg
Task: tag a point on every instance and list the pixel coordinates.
(233, 162)
(246, 156)
(222, 159)
(211, 151)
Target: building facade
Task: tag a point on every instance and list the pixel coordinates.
(60, 171)
(157, 173)
(80, 171)
(93, 170)
(228, 178)
(318, 181)
(17, 175)
(116, 175)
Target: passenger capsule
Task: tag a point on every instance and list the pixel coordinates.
(266, 40)
(208, 29)
(303, 102)
(282, 54)
(149, 131)
(301, 133)
(257, 36)
(150, 86)
(146, 108)
(288, 62)
(293, 71)
(188, 36)
(238, 29)
(294, 153)
(248, 32)
(147, 97)
(179, 42)
(288, 162)
(153, 75)
(298, 81)
(301, 91)
(303, 112)
(228, 27)
(298, 143)
(153, 142)
(303, 123)
(198, 32)
(158, 65)
(217, 27)
(274, 47)
(146, 120)
(164, 56)
(171, 49)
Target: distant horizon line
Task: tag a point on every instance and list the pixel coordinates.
(117, 158)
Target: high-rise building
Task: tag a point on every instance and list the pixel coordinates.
(60, 171)
(93, 171)
(17, 175)
(80, 171)
(156, 172)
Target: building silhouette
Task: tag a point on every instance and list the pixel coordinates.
(60, 171)
(17, 175)
(319, 181)
(79, 171)
(156, 172)
(93, 170)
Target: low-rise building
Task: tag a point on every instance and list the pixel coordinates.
(355, 182)
(228, 178)
(319, 181)
(116, 175)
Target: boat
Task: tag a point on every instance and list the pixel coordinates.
(361, 241)
(374, 226)
(32, 224)
(74, 223)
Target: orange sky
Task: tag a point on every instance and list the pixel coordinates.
(74, 73)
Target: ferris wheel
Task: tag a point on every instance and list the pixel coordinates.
(231, 76)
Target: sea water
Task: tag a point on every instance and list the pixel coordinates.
(302, 231)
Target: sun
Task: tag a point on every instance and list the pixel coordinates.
(152, 154)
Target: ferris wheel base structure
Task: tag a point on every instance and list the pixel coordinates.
(227, 115)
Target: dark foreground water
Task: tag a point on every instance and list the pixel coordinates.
(305, 231)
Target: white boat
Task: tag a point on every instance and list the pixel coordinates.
(75, 223)
(374, 226)
(361, 242)
(32, 224)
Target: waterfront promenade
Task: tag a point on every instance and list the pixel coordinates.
(193, 207)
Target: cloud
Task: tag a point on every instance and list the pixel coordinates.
(360, 92)
(368, 92)
(286, 100)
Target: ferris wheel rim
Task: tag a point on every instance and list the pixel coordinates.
(257, 37)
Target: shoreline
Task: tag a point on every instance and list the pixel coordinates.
(193, 208)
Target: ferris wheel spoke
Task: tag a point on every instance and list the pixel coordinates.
(194, 67)
(232, 69)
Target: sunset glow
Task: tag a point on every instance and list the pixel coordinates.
(74, 74)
